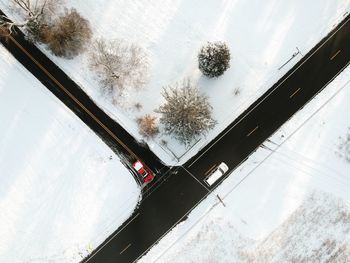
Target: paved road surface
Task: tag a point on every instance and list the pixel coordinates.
(176, 196)
(286, 97)
(176, 192)
(75, 99)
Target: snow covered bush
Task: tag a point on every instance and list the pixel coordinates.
(214, 59)
(36, 15)
(186, 114)
(68, 35)
(119, 65)
(148, 127)
(4, 31)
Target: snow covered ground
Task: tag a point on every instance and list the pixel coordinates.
(62, 190)
(289, 202)
(317, 231)
(262, 36)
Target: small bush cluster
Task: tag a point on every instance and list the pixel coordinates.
(68, 35)
(148, 127)
(4, 31)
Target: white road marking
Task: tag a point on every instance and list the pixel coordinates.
(295, 92)
(335, 54)
(121, 252)
(92, 255)
(210, 169)
(206, 188)
(253, 131)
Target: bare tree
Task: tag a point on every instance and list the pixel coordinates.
(148, 127)
(35, 14)
(68, 35)
(119, 65)
(186, 114)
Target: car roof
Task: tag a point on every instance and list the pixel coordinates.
(137, 165)
(223, 166)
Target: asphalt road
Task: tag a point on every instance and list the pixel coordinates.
(285, 98)
(158, 212)
(175, 197)
(172, 196)
(64, 88)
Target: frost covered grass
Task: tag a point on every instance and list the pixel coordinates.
(317, 231)
(62, 190)
(261, 36)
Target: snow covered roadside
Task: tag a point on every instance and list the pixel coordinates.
(290, 199)
(262, 36)
(317, 231)
(62, 190)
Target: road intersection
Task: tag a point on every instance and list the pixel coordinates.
(177, 190)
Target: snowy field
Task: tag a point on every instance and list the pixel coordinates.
(317, 231)
(262, 36)
(289, 202)
(62, 190)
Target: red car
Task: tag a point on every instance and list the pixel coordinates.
(144, 171)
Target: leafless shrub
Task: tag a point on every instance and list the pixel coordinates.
(68, 35)
(36, 15)
(138, 106)
(119, 65)
(237, 91)
(4, 31)
(32, 8)
(148, 127)
(164, 143)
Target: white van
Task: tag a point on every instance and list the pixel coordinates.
(219, 171)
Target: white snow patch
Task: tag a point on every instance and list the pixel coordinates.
(62, 190)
